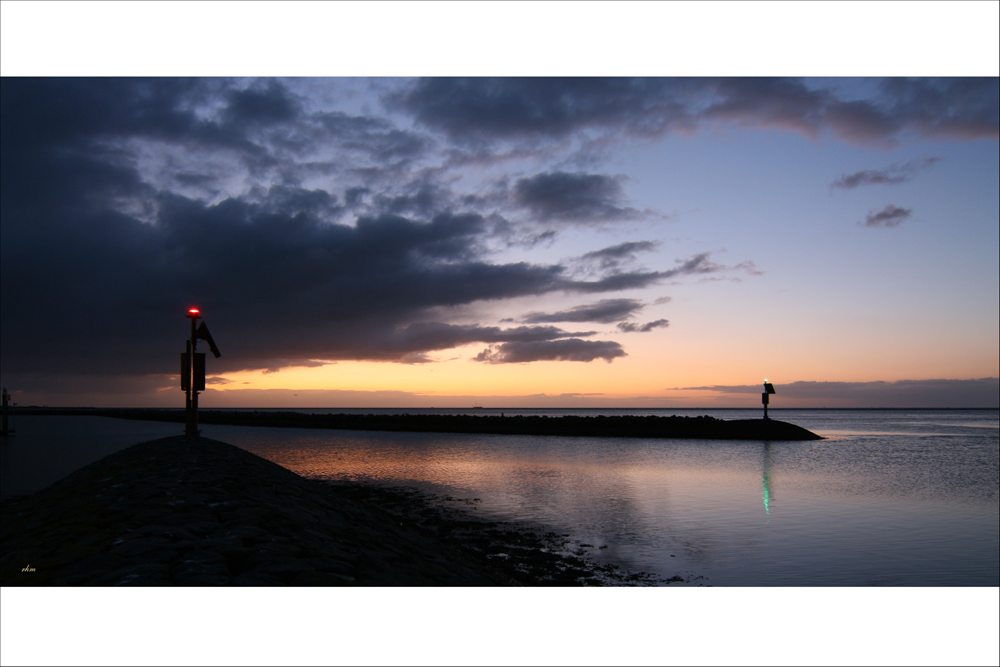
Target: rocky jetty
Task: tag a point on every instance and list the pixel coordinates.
(198, 512)
(704, 427)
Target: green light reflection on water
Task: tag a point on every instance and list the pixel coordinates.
(766, 483)
(767, 494)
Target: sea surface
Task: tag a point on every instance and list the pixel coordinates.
(889, 498)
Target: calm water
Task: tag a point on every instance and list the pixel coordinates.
(891, 498)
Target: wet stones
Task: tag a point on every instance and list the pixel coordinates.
(200, 567)
(140, 547)
(141, 574)
(169, 532)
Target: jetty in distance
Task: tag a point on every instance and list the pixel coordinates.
(702, 427)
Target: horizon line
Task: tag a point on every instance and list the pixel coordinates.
(507, 407)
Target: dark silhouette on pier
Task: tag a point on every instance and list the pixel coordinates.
(193, 370)
(5, 426)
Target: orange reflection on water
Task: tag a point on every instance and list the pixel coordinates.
(538, 483)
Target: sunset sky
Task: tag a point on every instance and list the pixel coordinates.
(509, 242)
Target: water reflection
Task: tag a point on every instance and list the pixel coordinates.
(766, 484)
(858, 510)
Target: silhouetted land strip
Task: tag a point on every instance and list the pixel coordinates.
(703, 427)
(200, 512)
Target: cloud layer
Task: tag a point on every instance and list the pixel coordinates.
(126, 200)
(631, 327)
(890, 216)
(570, 349)
(573, 197)
(605, 311)
(309, 233)
(478, 111)
(891, 175)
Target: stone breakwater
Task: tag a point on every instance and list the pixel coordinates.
(624, 426)
(198, 512)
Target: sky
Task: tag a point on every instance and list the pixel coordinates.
(503, 240)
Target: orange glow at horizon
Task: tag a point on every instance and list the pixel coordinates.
(655, 366)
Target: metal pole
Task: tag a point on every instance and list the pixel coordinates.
(5, 397)
(187, 394)
(193, 412)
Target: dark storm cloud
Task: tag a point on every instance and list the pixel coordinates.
(47, 112)
(63, 138)
(291, 201)
(569, 349)
(954, 108)
(631, 327)
(783, 103)
(605, 311)
(618, 281)
(355, 196)
(573, 197)
(260, 105)
(891, 175)
(977, 393)
(74, 142)
(483, 110)
(82, 114)
(372, 136)
(88, 289)
(100, 252)
(189, 178)
(420, 198)
(50, 128)
(958, 108)
(429, 336)
(277, 283)
(890, 216)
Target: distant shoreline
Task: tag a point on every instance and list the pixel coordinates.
(673, 427)
(52, 410)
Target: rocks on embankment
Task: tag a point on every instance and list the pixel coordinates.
(618, 426)
(194, 512)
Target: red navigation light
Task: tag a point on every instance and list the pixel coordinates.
(193, 312)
